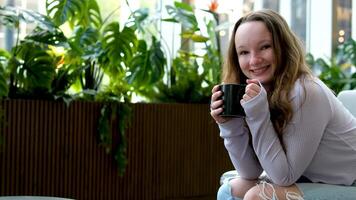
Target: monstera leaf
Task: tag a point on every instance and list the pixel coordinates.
(349, 51)
(35, 69)
(12, 16)
(137, 19)
(55, 37)
(76, 12)
(4, 88)
(147, 66)
(183, 13)
(119, 45)
(84, 42)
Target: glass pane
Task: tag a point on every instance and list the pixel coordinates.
(271, 4)
(248, 6)
(298, 18)
(343, 20)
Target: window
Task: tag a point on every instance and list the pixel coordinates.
(342, 26)
(271, 4)
(298, 18)
(2, 30)
(7, 35)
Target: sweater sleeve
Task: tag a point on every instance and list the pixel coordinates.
(301, 137)
(236, 140)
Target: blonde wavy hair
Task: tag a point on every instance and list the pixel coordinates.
(290, 65)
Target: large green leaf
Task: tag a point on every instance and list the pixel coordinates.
(147, 66)
(119, 46)
(37, 68)
(76, 12)
(157, 61)
(349, 51)
(4, 88)
(84, 41)
(91, 16)
(65, 10)
(12, 16)
(137, 19)
(55, 37)
(183, 13)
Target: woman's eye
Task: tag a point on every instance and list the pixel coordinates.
(243, 52)
(266, 46)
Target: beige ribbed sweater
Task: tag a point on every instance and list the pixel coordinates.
(320, 140)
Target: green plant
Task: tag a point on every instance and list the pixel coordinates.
(91, 51)
(337, 72)
(108, 62)
(192, 74)
(113, 113)
(29, 66)
(4, 89)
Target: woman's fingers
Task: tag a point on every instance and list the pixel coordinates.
(248, 81)
(252, 89)
(215, 88)
(216, 105)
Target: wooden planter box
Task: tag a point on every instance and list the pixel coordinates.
(174, 152)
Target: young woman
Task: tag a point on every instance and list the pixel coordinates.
(295, 129)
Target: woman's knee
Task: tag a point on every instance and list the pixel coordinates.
(241, 186)
(224, 193)
(266, 190)
(235, 188)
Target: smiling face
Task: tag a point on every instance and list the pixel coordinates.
(255, 51)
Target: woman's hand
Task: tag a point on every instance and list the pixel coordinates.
(216, 105)
(252, 89)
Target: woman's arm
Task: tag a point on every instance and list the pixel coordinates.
(236, 139)
(302, 136)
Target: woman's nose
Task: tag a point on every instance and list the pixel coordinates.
(255, 59)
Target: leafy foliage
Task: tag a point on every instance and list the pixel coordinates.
(76, 12)
(192, 75)
(339, 71)
(12, 16)
(120, 45)
(36, 69)
(112, 113)
(183, 13)
(4, 89)
(33, 68)
(107, 62)
(147, 66)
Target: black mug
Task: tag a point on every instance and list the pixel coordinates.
(232, 94)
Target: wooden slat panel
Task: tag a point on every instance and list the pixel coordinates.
(174, 152)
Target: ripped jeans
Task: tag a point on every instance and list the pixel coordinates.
(310, 191)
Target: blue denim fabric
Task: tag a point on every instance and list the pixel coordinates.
(224, 192)
(318, 191)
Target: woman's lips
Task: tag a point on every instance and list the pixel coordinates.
(260, 70)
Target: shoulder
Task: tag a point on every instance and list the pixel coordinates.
(311, 98)
(312, 92)
(315, 87)
(310, 86)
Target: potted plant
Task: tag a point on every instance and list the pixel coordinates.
(97, 61)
